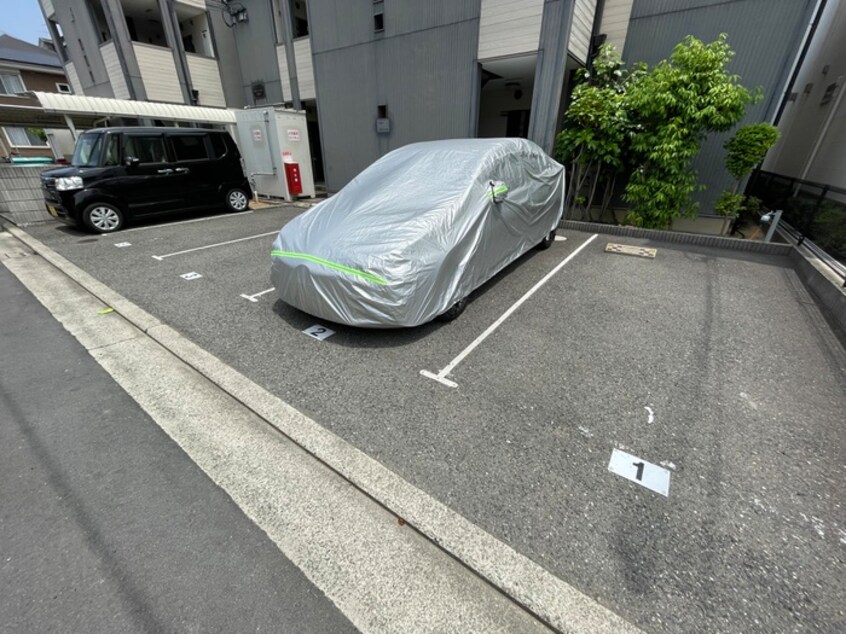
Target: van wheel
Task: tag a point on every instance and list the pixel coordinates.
(102, 218)
(453, 311)
(237, 200)
(547, 241)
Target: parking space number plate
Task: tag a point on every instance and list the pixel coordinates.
(319, 332)
(641, 472)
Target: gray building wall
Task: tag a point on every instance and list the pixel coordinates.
(766, 36)
(256, 51)
(813, 134)
(228, 60)
(82, 41)
(423, 67)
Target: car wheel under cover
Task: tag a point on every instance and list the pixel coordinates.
(453, 311)
(548, 240)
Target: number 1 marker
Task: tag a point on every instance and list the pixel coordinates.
(644, 473)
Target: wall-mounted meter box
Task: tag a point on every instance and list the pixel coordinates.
(274, 145)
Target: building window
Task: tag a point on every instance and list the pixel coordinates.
(98, 19)
(26, 137)
(11, 84)
(299, 17)
(64, 88)
(378, 22)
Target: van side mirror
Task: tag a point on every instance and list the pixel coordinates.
(131, 161)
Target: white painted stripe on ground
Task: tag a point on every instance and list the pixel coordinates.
(382, 575)
(441, 376)
(212, 246)
(183, 222)
(531, 585)
(254, 297)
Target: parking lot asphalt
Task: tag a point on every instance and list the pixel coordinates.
(715, 366)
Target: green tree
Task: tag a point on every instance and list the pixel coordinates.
(671, 109)
(747, 148)
(595, 133)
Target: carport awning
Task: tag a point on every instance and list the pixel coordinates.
(84, 112)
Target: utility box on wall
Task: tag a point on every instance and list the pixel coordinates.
(274, 144)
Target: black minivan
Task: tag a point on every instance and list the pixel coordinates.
(118, 174)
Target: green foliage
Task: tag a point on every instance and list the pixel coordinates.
(729, 204)
(38, 133)
(596, 128)
(671, 108)
(748, 147)
(830, 230)
(753, 204)
(650, 124)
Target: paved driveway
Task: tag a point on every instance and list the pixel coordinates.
(712, 371)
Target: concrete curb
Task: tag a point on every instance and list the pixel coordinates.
(544, 595)
(720, 242)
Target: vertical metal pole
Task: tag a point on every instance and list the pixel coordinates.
(773, 225)
(71, 127)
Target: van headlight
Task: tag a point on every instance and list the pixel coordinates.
(68, 183)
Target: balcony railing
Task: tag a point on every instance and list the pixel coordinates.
(813, 212)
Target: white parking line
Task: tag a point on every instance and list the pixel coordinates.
(440, 377)
(254, 298)
(184, 222)
(211, 246)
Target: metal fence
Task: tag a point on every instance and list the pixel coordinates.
(812, 211)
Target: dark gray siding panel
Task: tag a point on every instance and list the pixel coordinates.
(339, 23)
(228, 61)
(647, 8)
(765, 35)
(426, 79)
(404, 16)
(77, 25)
(257, 51)
(343, 23)
(346, 107)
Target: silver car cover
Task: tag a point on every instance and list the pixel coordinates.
(417, 231)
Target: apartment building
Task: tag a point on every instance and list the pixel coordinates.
(373, 75)
(813, 123)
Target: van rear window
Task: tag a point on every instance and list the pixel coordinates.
(189, 147)
(218, 145)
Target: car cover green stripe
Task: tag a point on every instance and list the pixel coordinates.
(499, 190)
(332, 265)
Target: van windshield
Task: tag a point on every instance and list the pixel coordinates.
(87, 152)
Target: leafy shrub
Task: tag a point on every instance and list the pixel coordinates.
(729, 204)
(748, 147)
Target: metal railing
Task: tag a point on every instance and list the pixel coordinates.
(813, 214)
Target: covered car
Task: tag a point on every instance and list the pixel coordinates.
(416, 232)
